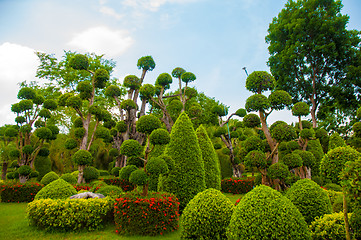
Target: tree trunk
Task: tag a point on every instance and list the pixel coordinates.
(4, 170)
(313, 112)
(81, 174)
(308, 172)
(23, 178)
(270, 141)
(237, 171)
(347, 225)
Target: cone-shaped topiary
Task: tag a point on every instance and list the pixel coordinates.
(207, 216)
(58, 189)
(187, 177)
(210, 159)
(264, 213)
(310, 199)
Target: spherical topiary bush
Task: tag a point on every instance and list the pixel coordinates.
(159, 136)
(70, 143)
(43, 133)
(130, 148)
(58, 189)
(164, 79)
(138, 177)
(256, 158)
(307, 133)
(241, 112)
(69, 178)
(188, 77)
(125, 172)
(121, 126)
(264, 213)
(28, 149)
(278, 171)
(101, 76)
(292, 160)
(50, 104)
(79, 132)
(26, 93)
(74, 102)
(113, 91)
(334, 161)
(146, 91)
(42, 165)
(279, 99)
(220, 131)
(82, 157)
(90, 174)
(253, 143)
(135, 161)
(49, 177)
(310, 199)
(260, 81)
(308, 159)
(281, 131)
(44, 152)
(207, 216)
(128, 105)
(44, 113)
(110, 191)
(24, 170)
(217, 146)
(132, 82)
(251, 120)
(147, 123)
(79, 62)
(300, 109)
(155, 166)
(257, 102)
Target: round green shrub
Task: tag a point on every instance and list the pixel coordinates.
(159, 136)
(310, 199)
(164, 79)
(177, 72)
(115, 171)
(300, 109)
(251, 120)
(156, 166)
(188, 77)
(256, 158)
(315, 147)
(128, 105)
(147, 124)
(334, 161)
(69, 178)
(308, 159)
(79, 132)
(264, 213)
(217, 146)
(292, 146)
(90, 174)
(71, 144)
(121, 126)
(207, 216)
(20, 120)
(329, 226)
(125, 172)
(11, 132)
(138, 177)
(102, 132)
(292, 160)
(28, 149)
(24, 170)
(260, 81)
(26, 93)
(130, 148)
(241, 112)
(278, 170)
(50, 104)
(146, 91)
(39, 123)
(335, 141)
(132, 82)
(281, 131)
(58, 189)
(113, 91)
(44, 152)
(135, 161)
(355, 223)
(96, 185)
(82, 157)
(307, 133)
(85, 89)
(79, 62)
(333, 186)
(101, 76)
(14, 153)
(78, 122)
(43, 133)
(220, 131)
(253, 143)
(49, 177)
(25, 128)
(74, 102)
(257, 102)
(110, 191)
(25, 105)
(279, 99)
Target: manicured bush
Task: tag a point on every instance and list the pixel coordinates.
(90, 174)
(58, 189)
(155, 214)
(49, 177)
(187, 178)
(314, 146)
(155, 167)
(278, 170)
(79, 62)
(103, 173)
(96, 185)
(148, 123)
(110, 191)
(210, 159)
(237, 185)
(82, 157)
(125, 172)
(310, 199)
(225, 165)
(207, 216)
(69, 178)
(15, 192)
(131, 148)
(70, 214)
(138, 177)
(334, 161)
(125, 185)
(292, 160)
(335, 141)
(24, 170)
(329, 226)
(264, 213)
(333, 186)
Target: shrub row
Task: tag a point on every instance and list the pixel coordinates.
(152, 215)
(237, 185)
(70, 214)
(124, 184)
(16, 192)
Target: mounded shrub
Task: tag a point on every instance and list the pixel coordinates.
(90, 174)
(70, 214)
(96, 185)
(264, 213)
(131, 148)
(124, 172)
(110, 191)
(212, 170)
(335, 141)
(58, 189)
(237, 185)
(155, 167)
(138, 177)
(49, 177)
(310, 199)
(69, 178)
(207, 216)
(15, 192)
(155, 214)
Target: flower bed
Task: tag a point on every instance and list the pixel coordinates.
(237, 185)
(155, 214)
(17, 192)
(124, 184)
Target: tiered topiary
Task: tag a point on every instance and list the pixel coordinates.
(264, 213)
(187, 177)
(310, 199)
(49, 177)
(210, 160)
(207, 216)
(58, 189)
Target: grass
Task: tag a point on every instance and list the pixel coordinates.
(14, 225)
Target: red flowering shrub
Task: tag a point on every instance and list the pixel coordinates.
(125, 185)
(151, 215)
(82, 187)
(237, 185)
(17, 192)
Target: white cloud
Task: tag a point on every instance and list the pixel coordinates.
(102, 40)
(110, 12)
(152, 5)
(17, 63)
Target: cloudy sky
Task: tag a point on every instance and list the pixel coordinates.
(213, 39)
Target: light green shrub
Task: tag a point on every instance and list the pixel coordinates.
(49, 177)
(69, 178)
(58, 189)
(110, 191)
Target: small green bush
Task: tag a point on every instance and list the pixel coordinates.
(24, 170)
(82, 157)
(115, 171)
(110, 191)
(335, 141)
(49, 177)
(138, 177)
(207, 216)
(58, 189)
(125, 172)
(310, 199)
(90, 174)
(69, 178)
(329, 226)
(96, 185)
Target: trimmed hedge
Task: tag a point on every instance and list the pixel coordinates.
(16, 192)
(237, 185)
(152, 215)
(70, 214)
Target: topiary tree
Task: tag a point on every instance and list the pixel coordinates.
(90, 174)
(300, 109)
(310, 199)
(58, 189)
(82, 158)
(264, 213)
(207, 216)
(49, 177)
(186, 179)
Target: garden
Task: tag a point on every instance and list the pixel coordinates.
(92, 158)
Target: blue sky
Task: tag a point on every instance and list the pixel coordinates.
(213, 39)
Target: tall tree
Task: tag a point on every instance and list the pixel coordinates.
(312, 51)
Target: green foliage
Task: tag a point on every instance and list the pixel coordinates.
(292, 160)
(164, 79)
(251, 120)
(44, 152)
(82, 157)
(237, 185)
(300, 109)
(219, 110)
(241, 112)
(314, 146)
(257, 102)
(177, 72)
(308, 159)
(307, 133)
(355, 223)
(279, 99)
(146, 63)
(79, 62)
(130, 148)
(253, 143)
(265, 212)
(24, 170)
(102, 132)
(125, 172)
(110, 191)
(49, 177)
(70, 144)
(260, 81)
(188, 77)
(132, 82)
(125, 185)
(11, 132)
(310, 199)
(121, 126)
(69, 178)
(50, 104)
(155, 166)
(58, 189)
(358, 113)
(43, 133)
(135, 161)
(25, 105)
(335, 141)
(85, 90)
(28, 149)
(70, 214)
(101, 76)
(207, 216)
(148, 123)
(278, 170)
(281, 131)
(187, 177)
(90, 174)
(25, 128)
(220, 131)
(351, 179)
(74, 102)
(139, 215)
(42, 165)
(138, 177)
(333, 186)
(357, 129)
(113, 91)
(128, 105)
(15, 192)
(329, 226)
(210, 159)
(159, 136)
(26, 93)
(256, 158)
(115, 171)
(334, 161)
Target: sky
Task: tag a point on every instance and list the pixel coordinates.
(213, 39)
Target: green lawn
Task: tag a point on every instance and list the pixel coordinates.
(14, 225)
